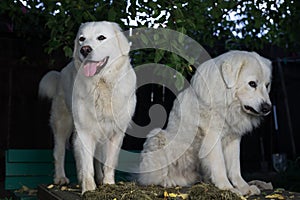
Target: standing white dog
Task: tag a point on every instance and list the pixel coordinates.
(227, 98)
(96, 93)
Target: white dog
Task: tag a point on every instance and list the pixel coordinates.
(96, 93)
(227, 98)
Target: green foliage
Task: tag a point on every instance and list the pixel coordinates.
(64, 18)
(210, 23)
(57, 21)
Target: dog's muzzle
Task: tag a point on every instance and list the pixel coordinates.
(86, 50)
(264, 109)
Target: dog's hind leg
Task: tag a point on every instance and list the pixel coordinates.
(62, 126)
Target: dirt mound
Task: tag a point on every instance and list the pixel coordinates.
(132, 191)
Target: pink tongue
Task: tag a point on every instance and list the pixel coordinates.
(90, 69)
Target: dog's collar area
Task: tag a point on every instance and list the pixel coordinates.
(91, 68)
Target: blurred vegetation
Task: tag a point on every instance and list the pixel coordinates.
(241, 24)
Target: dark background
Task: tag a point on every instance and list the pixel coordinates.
(24, 117)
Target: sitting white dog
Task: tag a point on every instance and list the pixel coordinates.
(96, 93)
(227, 98)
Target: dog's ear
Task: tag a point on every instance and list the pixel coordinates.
(122, 40)
(230, 72)
(76, 59)
(75, 50)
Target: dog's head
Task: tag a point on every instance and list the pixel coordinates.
(97, 45)
(249, 75)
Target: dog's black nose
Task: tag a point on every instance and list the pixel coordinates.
(265, 108)
(85, 50)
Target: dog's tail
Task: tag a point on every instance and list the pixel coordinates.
(153, 168)
(48, 85)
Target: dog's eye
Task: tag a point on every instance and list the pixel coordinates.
(81, 39)
(267, 85)
(101, 37)
(252, 84)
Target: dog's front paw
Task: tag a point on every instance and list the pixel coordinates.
(249, 190)
(254, 190)
(261, 185)
(236, 191)
(88, 185)
(232, 189)
(108, 180)
(61, 180)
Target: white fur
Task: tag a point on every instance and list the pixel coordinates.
(99, 107)
(208, 119)
(48, 84)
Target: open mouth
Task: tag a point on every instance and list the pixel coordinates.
(251, 110)
(91, 68)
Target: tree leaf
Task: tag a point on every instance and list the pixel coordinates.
(159, 54)
(179, 83)
(111, 15)
(68, 51)
(144, 39)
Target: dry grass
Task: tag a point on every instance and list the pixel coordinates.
(130, 190)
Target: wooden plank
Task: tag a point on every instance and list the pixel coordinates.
(16, 182)
(21, 196)
(13, 183)
(34, 155)
(29, 169)
(56, 194)
(36, 169)
(45, 194)
(123, 176)
(28, 155)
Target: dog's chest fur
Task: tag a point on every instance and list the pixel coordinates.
(103, 97)
(239, 122)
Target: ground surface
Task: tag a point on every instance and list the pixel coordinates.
(129, 190)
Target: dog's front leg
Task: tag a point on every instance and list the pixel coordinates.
(231, 147)
(84, 148)
(112, 150)
(211, 154)
(98, 160)
(214, 164)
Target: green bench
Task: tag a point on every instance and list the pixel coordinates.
(32, 167)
